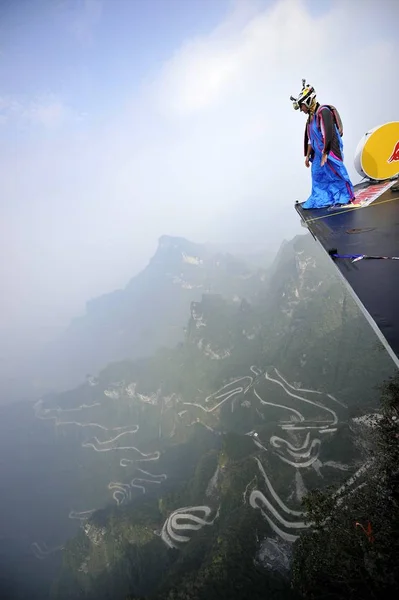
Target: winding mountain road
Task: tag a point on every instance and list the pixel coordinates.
(182, 520)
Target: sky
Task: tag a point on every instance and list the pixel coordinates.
(123, 120)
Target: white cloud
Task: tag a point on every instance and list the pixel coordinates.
(225, 97)
(47, 111)
(238, 58)
(51, 113)
(9, 108)
(210, 148)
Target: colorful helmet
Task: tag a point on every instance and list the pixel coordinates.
(306, 97)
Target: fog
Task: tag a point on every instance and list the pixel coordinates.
(122, 121)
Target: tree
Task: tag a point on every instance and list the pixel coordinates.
(352, 546)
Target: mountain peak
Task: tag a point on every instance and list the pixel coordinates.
(176, 248)
(171, 242)
(167, 241)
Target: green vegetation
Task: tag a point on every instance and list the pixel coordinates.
(227, 570)
(217, 563)
(299, 319)
(352, 549)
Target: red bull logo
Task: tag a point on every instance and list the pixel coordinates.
(395, 154)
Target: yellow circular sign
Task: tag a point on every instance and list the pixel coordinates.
(377, 155)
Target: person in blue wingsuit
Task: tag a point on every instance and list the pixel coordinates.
(323, 148)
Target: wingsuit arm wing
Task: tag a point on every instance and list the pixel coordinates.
(307, 149)
(305, 141)
(327, 128)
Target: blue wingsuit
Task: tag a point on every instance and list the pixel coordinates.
(331, 184)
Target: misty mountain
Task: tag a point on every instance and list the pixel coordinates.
(266, 390)
(265, 377)
(150, 312)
